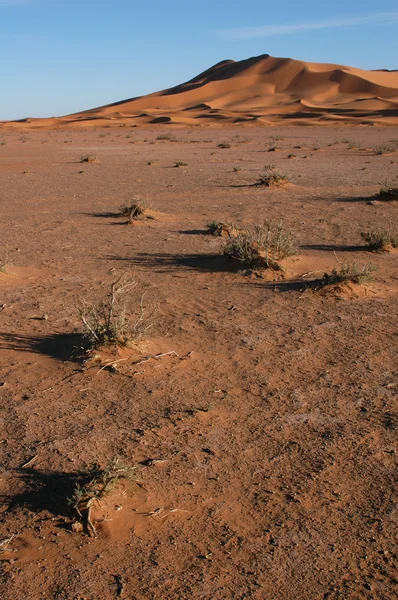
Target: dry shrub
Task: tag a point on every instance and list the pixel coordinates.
(93, 485)
(386, 148)
(218, 228)
(270, 178)
(135, 209)
(350, 272)
(4, 261)
(167, 137)
(380, 240)
(262, 248)
(88, 158)
(388, 191)
(111, 322)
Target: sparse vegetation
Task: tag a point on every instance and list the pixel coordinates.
(179, 163)
(95, 484)
(88, 158)
(134, 210)
(380, 240)
(166, 137)
(4, 261)
(236, 169)
(224, 145)
(218, 228)
(262, 248)
(270, 178)
(350, 272)
(386, 148)
(388, 191)
(111, 323)
(354, 146)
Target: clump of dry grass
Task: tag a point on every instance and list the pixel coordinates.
(269, 178)
(4, 261)
(110, 322)
(180, 163)
(380, 240)
(88, 158)
(388, 191)
(167, 137)
(350, 272)
(224, 145)
(135, 209)
(386, 148)
(262, 248)
(95, 484)
(220, 229)
(217, 228)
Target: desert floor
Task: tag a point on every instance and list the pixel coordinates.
(263, 439)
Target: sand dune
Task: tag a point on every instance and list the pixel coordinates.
(259, 90)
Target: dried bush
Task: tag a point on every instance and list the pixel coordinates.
(88, 158)
(350, 272)
(386, 148)
(388, 191)
(217, 228)
(4, 261)
(110, 322)
(93, 485)
(380, 240)
(167, 137)
(270, 178)
(135, 209)
(262, 248)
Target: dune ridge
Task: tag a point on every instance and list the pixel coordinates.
(258, 90)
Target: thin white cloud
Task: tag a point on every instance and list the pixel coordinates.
(244, 33)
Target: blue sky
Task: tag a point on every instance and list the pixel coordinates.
(62, 56)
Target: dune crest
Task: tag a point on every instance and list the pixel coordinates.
(261, 90)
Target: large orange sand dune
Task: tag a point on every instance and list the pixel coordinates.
(259, 90)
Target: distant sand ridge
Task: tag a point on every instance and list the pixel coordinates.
(259, 90)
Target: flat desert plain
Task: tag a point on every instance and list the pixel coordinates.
(257, 414)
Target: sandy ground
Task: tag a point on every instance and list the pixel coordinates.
(264, 451)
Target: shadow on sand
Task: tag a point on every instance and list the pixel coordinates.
(335, 248)
(174, 262)
(44, 491)
(60, 346)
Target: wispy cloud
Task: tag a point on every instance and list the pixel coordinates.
(243, 33)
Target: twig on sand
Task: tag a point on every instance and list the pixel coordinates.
(110, 364)
(4, 544)
(155, 356)
(29, 462)
(92, 529)
(310, 273)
